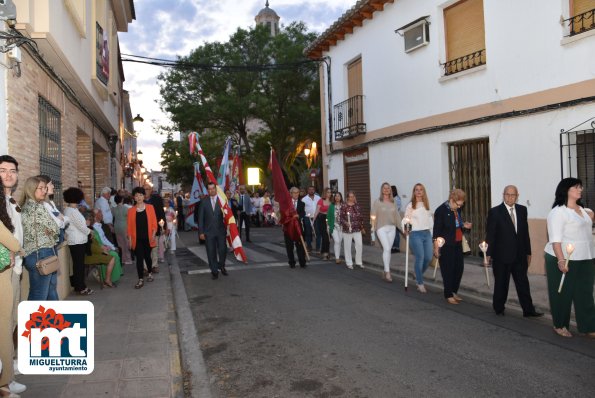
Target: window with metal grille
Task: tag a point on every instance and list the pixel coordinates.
(50, 147)
(577, 156)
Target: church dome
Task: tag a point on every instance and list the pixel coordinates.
(267, 13)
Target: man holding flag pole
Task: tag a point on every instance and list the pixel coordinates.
(291, 210)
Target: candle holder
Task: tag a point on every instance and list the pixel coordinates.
(569, 251)
(483, 246)
(408, 226)
(440, 242)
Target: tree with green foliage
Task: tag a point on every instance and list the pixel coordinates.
(220, 88)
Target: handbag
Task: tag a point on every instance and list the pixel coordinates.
(47, 265)
(4, 257)
(466, 247)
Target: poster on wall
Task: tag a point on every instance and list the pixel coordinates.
(101, 55)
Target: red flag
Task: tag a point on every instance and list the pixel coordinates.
(233, 237)
(289, 216)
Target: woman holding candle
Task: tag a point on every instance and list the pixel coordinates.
(420, 217)
(385, 219)
(352, 226)
(333, 218)
(449, 224)
(569, 226)
(322, 208)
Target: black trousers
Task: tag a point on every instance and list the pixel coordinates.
(451, 268)
(244, 218)
(322, 231)
(216, 251)
(142, 251)
(77, 252)
(289, 245)
(502, 273)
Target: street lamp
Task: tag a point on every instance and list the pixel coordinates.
(139, 156)
(311, 152)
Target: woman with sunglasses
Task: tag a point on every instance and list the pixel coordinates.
(40, 234)
(448, 225)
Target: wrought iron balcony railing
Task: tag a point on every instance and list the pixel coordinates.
(465, 62)
(581, 23)
(348, 118)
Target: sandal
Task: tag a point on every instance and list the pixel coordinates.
(562, 332)
(457, 297)
(110, 285)
(85, 292)
(139, 284)
(150, 278)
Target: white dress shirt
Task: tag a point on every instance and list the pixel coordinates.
(103, 205)
(512, 210)
(565, 226)
(310, 203)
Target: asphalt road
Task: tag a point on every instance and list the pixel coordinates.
(324, 331)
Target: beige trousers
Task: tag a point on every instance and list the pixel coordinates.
(6, 326)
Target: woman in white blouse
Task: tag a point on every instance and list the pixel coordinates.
(77, 237)
(569, 223)
(420, 217)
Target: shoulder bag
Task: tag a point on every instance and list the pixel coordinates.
(47, 265)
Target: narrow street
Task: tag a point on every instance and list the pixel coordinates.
(270, 331)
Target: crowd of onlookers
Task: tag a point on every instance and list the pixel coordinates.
(120, 227)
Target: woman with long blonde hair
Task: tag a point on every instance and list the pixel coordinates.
(386, 219)
(40, 233)
(420, 238)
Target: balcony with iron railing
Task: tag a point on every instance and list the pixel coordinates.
(348, 118)
(581, 23)
(465, 62)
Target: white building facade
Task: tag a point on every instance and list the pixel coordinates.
(471, 94)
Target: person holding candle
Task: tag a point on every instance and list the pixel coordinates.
(385, 220)
(352, 225)
(449, 224)
(333, 217)
(420, 217)
(509, 250)
(322, 230)
(569, 223)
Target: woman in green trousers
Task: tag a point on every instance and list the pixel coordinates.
(568, 223)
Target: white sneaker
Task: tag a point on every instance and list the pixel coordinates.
(361, 266)
(421, 288)
(16, 387)
(349, 266)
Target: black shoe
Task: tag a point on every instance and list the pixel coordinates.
(500, 313)
(291, 265)
(248, 240)
(303, 265)
(393, 250)
(214, 275)
(223, 271)
(533, 314)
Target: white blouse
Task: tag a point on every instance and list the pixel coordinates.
(77, 232)
(421, 219)
(565, 226)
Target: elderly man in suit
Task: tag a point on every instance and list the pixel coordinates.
(509, 250)
(246, 210)
(211, 228)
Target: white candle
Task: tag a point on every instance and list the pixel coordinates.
(349, 221)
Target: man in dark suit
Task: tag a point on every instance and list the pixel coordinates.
(509, 250)
(299, 206)
(211, 228)
(246, 210)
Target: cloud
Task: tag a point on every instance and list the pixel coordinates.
(165, 29)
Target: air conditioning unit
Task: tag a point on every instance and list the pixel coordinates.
(416, 35)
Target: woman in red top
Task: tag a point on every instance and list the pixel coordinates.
(142, 228)
(321, 224)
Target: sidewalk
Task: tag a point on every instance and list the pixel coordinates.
(136, 344)
(472, 284)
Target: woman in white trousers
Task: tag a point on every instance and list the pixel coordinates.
(352, 226)
(385, 220)
(333, 219)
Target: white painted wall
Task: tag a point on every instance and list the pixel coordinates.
(524, 55)
(524, 151)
